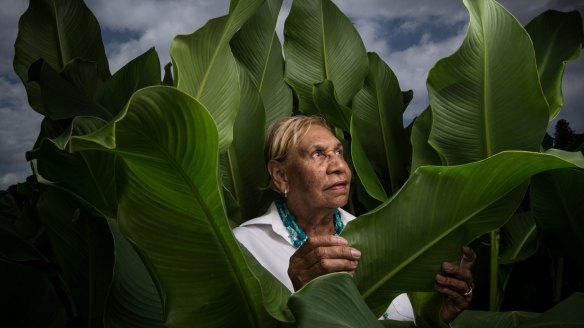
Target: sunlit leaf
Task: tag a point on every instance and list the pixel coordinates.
(257, 47)
(486, 97)
(205, 68)
(321, 43)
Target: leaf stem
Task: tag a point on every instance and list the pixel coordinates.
(493, 299)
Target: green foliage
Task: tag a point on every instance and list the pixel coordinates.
(141, 183)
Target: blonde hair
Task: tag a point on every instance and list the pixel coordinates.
(285, 133)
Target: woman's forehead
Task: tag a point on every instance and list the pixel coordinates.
(318, 136)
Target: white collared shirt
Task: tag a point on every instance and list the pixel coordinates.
(267, 239)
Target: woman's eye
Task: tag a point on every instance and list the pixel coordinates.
(317, 153)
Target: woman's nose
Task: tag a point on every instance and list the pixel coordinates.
(337, 164)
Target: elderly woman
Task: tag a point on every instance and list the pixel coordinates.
(298, 238)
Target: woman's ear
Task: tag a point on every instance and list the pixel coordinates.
(277, 171)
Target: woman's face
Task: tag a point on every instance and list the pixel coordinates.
(317, 174)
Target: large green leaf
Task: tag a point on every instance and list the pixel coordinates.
(205, 68)
(133, 300)
(171, 209)
(364, 169)
(139, 73)
(518, 238)
(84, 248)
(558, 205)
(69, 93)
(422, 151)
(568, 313)
(275, 294)
(90, 176)
(440, 208)
(485, 319)
(58, 31)
(257, 47)
(331, 301)
(486, 97)
(243, 167)
(329, 107)
(557, 38)
(377, 116)
(321, 43)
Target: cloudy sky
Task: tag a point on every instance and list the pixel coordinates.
(409, 35)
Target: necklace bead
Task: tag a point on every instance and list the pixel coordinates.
(295, 233)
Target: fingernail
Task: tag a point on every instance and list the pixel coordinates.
(355, 253)
(448, 266)
(440, 278)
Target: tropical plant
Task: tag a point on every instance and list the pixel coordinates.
(140, 181)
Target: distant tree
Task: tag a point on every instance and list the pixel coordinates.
(564, 135)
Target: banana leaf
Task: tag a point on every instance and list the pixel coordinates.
(84, 248)
(557, 38)
(331, 301)
(133, 300)
(364, 169)
(328, 106)
(377, 115)
(257, 47)
(404, 240)
(69, 93)
(204, 66)
(171, 209)
(58, 31)
(422, 151)
(557, 200)
(89, 177)
(242, 165)
(321, 43)
(485, 90)
(565, 314)
(518, 238)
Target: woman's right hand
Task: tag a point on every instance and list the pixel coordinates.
(321, 255)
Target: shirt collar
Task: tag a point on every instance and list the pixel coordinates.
(272, 218)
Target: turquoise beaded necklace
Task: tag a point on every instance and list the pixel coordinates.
(295, 233)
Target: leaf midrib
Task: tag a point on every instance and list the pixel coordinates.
(236, 272)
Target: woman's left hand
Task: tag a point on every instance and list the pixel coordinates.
(456, 285)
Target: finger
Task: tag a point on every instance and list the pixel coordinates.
(332, 252)
(459, 300)
(461, 286)
(457, 272)
(332, 265)
(468, 258)
(319, 241)
(328, 240)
